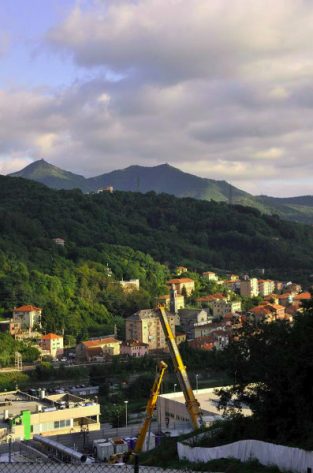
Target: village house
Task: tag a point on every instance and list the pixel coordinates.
(52, 344)
(28, 316)
(59, 241)
(268, 312)
(131, 285)
(134, 348)
(11, 327)
(181, 270)
(191, 317)
(210, 276)
(145, 326)
(286, 298)
(183, 285)
(98, 348)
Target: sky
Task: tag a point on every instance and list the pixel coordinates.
(221, 89)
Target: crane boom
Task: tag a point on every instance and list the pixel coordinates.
(151, 406)
(192, 405)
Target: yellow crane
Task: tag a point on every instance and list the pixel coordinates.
(192, 405)
(151, 406)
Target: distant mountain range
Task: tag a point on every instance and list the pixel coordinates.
(168, 179)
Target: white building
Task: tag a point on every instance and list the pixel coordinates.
(172, 413)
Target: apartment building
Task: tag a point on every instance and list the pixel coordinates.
(145, 326)
(249, 287)
(266, 287)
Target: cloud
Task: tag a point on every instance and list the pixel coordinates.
(219, 89)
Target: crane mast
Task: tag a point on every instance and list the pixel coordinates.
(151, 405)
(192, 405)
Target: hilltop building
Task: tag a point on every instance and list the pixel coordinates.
(210, 276)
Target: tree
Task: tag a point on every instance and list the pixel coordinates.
(272, 367)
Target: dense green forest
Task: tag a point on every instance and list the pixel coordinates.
(136, 236)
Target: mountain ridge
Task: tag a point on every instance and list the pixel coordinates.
(165, 178)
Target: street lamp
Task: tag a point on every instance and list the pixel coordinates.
(126, 419)
(197, 382)
(175, 387)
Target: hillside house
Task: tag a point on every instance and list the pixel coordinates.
(98, 347)
(134, 348)
(182, 285)
(191, 317)
(181, 270)
(131, 285)
(59, 241)
(28, 316)
(210, 275)
(52, 344)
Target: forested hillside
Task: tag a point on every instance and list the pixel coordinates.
(132, 234)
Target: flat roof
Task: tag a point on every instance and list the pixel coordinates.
(207, 399)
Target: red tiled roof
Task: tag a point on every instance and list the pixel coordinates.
(27, 308)
(99, 342)
(164, 297)
(303, 296)
(284, 296)
(179, 281)
(51, 336)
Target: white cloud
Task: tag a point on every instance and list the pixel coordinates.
(221, 89)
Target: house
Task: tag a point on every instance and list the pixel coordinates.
(134, 348)
(28, 316)
(268, 312)
(180, 270)
(210, 276)
(59, 241)
(191, 317)
(182, 285)
(285, 299)
(131, 285)
(205, 300)
(98, 347)
(249, 287)
(53, 344)
(145, 326)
